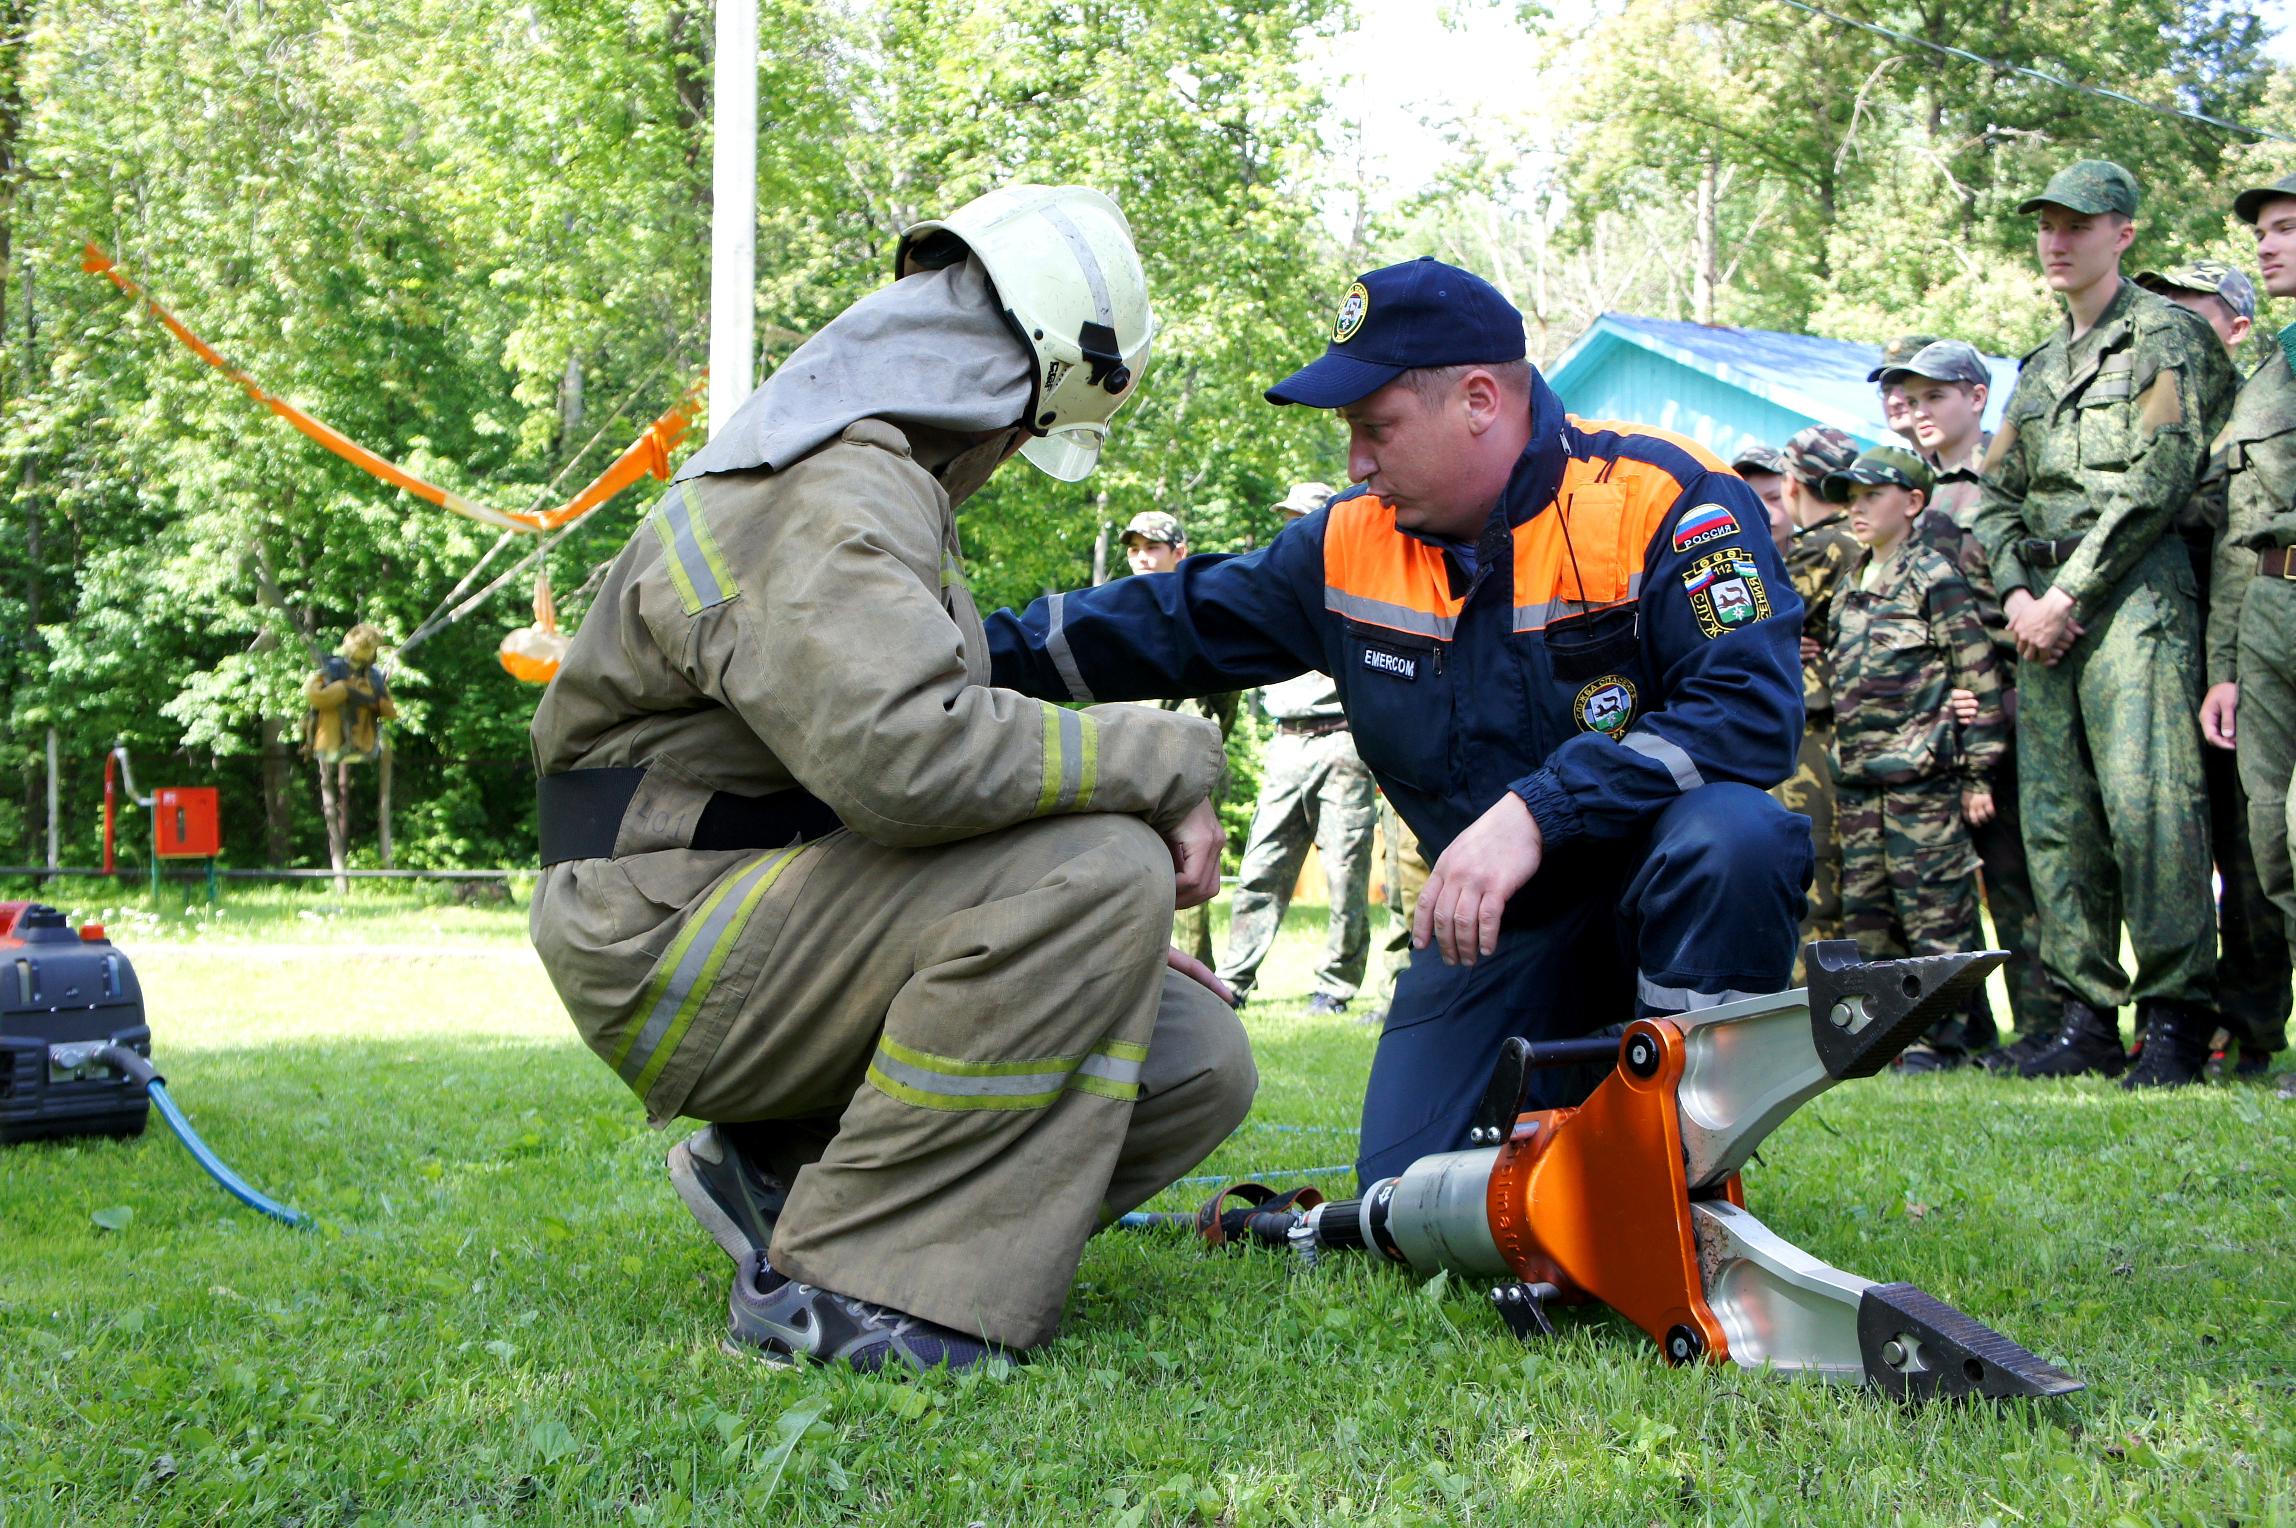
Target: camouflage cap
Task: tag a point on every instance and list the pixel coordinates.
(1944, 361)
(1154, 525)
(1305, 499)
(2250, 203)
(1883, 466)
(1759, 459)
(2211, 277)
(1816, 451)
(1903, 348)
(2088, 185)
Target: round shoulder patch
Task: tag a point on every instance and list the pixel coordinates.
(1354, 308)
(1605, 706)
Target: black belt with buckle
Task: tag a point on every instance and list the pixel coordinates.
(580, 815)
(2043, 552)
(1314, 726)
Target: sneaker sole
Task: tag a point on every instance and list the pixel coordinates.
(685, 1177)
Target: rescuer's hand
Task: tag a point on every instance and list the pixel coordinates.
(1195, 970)
(1964, 703)
(1196, 846)
(2220, 713)
(1468, 888)
(1977, 806)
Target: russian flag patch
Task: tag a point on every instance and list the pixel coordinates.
(1704, 523)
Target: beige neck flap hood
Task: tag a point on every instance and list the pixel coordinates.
(932, 350)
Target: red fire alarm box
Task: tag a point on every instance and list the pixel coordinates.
(185, 822)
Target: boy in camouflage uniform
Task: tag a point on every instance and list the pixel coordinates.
(2252, 965)
(2100, 446)
(1821, 550)
(1905, 635)
(1946, 384)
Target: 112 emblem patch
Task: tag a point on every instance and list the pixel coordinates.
(1703, 523)
(1605, 706)
(1726, 592)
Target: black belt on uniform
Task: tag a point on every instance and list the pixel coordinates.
(580, 815)
(1314, 726)
(2042, 552)
(2277, 562)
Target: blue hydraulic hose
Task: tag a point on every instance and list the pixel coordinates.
(129, 1064)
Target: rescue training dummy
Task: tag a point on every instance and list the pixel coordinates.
(349, 699)
(901, 936)
(1568, 652)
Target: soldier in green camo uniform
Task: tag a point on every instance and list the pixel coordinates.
(2100, 446)
(1154, 543)
(2252, 963)
(1946, 385)
(2251, 704)
(1821, 550)
(1403, 872)
(1905, 636)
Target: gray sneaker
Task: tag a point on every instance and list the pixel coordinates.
(736, 1201)
(774, 1318)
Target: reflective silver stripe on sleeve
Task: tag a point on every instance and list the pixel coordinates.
(1056, 647)
(1685, 999)
(1071, 759)
(701, 564)
(1397, 617)
(1678, 764)
(1087, 261)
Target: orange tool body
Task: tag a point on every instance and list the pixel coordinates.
(1632, 1197)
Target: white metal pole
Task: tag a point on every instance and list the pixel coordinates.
(733, 216)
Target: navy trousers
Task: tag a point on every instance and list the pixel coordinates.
(1701, 910)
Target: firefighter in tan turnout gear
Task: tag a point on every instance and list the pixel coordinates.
(902, 938)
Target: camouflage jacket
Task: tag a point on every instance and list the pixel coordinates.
(1952, 540)
(1816, 559)
(1899, 649)
(2255, 460)
(2103, 439)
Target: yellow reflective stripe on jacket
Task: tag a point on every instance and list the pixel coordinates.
(682, 982)
(1071, 761)
(1109, 1070)
(691, 553)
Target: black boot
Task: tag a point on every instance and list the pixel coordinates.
(2088, 1042)
(2176, 1037)
(2010, 1059)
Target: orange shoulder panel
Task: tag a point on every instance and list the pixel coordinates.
(1683, 443)
(1374, 573)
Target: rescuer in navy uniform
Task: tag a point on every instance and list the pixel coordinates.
(1567, 650)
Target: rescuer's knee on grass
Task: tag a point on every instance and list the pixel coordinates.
(1716, 899)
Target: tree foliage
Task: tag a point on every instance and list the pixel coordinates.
(474, 235)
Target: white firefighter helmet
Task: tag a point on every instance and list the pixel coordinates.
(1062, 262)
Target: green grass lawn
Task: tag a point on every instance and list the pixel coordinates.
(506, 1316)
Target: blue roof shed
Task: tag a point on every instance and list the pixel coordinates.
(1729, 388)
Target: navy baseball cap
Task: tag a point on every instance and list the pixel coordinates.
(1398, 319)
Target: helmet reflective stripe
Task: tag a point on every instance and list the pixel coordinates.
(1062, 262)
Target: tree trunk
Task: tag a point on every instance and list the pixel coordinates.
(1705, 242)
(334, 805)
(383, 804)
(278, 824)
(1100, 556)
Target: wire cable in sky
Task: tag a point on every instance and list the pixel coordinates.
(2042, 75)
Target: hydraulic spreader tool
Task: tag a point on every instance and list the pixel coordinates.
(1632, 1198)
